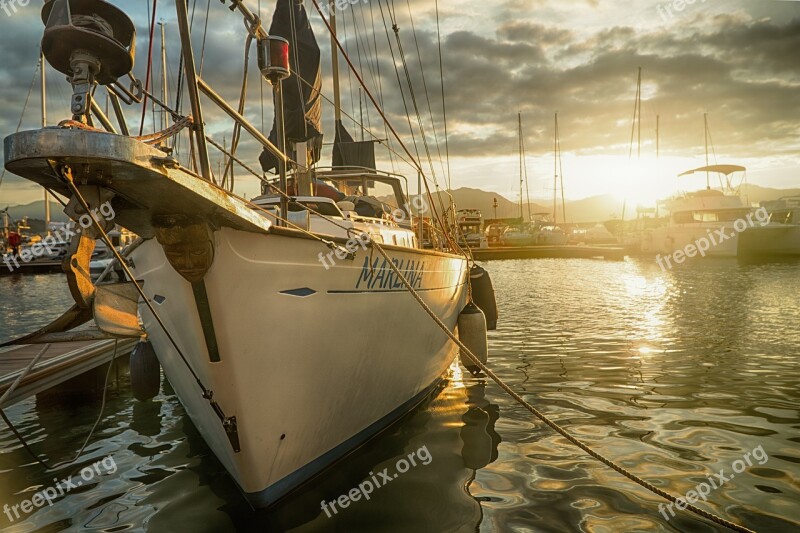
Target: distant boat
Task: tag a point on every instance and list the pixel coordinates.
(697, 214)
(779, 238)
(470, 226)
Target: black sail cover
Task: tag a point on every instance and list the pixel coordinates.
(302, 101)
(349, 153)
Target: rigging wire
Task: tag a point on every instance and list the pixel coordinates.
(151, 30)
(425, 86)
(396, 29)
(25, 106)
(444, 106)
(453, 245)
(237, 127)
(349, 74)
(361, 68)
(374, 137)
(399, 83)
(205, 34)
(380, 86)
(412, 93)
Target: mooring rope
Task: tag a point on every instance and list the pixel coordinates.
(22, 375)
(541, 416)
(150, 138)
(27, 446)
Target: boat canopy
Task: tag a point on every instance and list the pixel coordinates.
(722, 169)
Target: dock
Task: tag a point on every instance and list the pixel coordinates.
(62, 364)
(34, 267)
(613, 253)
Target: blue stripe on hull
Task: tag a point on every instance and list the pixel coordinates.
(282, 488)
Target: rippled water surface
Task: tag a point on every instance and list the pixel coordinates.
(674, 375)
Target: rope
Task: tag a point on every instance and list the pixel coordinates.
(558, 429)
(95, 24)
(27, 447)
(23, 374)
(150, 138)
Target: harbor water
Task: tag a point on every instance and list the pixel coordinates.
(678, 376)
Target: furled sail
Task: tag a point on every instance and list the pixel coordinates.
(350, 153)
(301, 91)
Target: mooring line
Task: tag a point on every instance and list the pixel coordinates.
(27, 446)
(541, 416)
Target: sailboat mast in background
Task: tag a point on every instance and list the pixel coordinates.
(558, 176)
(44, 124)
(521, 164)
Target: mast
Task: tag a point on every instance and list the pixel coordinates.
(555, 171)
(521, 165)
(525, 168)
(44, 124)
(337, 107)
(164, 88)
(658, 145)
(191, 86)
(705, 135)
(639, 126)
(5, 227)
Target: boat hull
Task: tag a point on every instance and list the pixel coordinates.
(668, 239)
(312, 360)
(772, 240)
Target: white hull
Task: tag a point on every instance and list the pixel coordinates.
(772, 240)
(669, 239)
(308, 376)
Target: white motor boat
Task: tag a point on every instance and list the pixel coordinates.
(702, 214)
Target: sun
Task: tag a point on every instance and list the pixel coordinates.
(638, 182)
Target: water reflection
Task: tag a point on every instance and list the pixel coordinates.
(674, 374)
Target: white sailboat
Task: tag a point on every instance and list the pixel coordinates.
(284, 324)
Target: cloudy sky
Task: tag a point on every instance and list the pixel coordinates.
(736, 60)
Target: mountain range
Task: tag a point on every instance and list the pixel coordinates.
(593, 209)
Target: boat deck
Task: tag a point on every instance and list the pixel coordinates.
(59, 364)
(549, 252)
